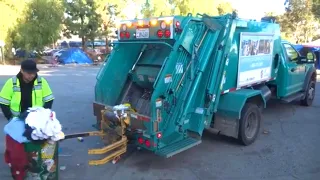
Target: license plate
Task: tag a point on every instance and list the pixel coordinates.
(142, 33)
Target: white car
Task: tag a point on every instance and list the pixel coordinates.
(58, 53)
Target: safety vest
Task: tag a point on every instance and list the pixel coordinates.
(11, 94)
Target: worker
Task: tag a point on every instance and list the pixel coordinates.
(26, 89)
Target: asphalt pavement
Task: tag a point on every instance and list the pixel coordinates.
(286, 149)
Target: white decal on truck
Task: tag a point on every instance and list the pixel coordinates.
(255, 58)
(179, 68)
(168, 79)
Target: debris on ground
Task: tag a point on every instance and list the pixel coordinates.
(62, 168)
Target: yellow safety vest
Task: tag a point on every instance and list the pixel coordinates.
(11, 94)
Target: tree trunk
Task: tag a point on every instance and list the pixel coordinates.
(83, 43)
(107, 45)
(83, 39)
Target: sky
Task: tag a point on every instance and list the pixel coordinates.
(255, 9)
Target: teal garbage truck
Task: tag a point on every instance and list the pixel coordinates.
(181, 75)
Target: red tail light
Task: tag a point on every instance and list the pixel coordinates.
(178, 24)
(127, 35)
(140, 140)
(159, 135)
(160, 33)
(167, 33)
(122, 35)
(147, 143)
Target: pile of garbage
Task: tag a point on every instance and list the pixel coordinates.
(39, 124)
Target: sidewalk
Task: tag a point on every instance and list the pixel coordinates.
(9, 69)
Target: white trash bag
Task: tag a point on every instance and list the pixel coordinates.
(44, 123)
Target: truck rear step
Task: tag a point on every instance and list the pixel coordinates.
(293, 97)
(178, 147)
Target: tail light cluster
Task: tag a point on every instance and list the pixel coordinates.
(124, 33)
(164, 30)
(147, 142)
(165, 33)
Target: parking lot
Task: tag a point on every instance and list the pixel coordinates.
(287, 147)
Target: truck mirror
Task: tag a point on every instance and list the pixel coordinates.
(310, 57)
(302, 60)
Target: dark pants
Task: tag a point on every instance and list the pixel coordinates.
(16, 158)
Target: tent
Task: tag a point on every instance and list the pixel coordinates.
(74, 55)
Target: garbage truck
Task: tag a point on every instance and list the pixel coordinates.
(181, 75)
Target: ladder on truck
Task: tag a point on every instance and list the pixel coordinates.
(192, 59)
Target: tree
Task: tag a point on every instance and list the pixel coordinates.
(109, 22)
(183, 7)
(10, 13)
(147, 9)
(41, 26)
(224, 8)
(298, 23)
(180, 7)
(82, 20)
(316, 8)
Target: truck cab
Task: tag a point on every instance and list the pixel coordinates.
(297, 75)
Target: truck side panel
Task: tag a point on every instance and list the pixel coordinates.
(231, 104)
(232, 66)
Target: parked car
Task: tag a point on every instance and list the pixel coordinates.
(50, 52)
(58, 53)
(20, 53)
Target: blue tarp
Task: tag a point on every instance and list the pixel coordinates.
(74, 55)
(298, 47)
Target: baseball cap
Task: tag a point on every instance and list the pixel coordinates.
(29, 66)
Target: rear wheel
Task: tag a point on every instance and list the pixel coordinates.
(310, 93)
(249, 123)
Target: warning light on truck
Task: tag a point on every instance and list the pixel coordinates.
(153, 22)
(163, 25)
(159, 135)
(140, 140)
(167, 33)
(160, 33)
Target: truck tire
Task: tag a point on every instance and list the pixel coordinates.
(310, 93)
(249, 123)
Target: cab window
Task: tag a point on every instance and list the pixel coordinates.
(292, 54)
